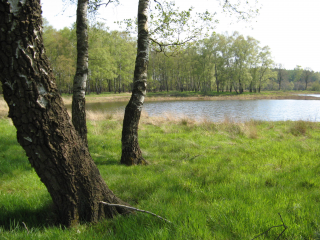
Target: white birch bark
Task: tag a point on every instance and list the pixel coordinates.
(131, 153)
(80, 78)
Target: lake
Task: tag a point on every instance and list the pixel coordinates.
(238, 110)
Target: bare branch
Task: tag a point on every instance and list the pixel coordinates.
(25, 226)
(135, 209)
(95, 6)
(177, 43)
(159, 4)
(282, 225)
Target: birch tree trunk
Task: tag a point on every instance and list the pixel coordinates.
(80, 78)
(55, 150)
(131, 152)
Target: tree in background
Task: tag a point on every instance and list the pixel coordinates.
(306, 76)
(124, 55)
(297, 78)
(243, 54)
(102, 68)
(315, 79)
(280, 74)
(61, 51)
(264, 68)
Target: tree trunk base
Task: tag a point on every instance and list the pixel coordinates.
(129, 159)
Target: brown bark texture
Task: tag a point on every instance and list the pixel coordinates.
(131, 152)
(80, 78)
(44, 129)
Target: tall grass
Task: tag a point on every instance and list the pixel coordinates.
(223, 180)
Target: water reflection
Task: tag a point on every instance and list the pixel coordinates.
(310, 95)
(239, 110)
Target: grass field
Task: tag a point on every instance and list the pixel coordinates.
(211, 180)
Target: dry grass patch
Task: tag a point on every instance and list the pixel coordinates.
(67, 100)
(3, 108)
(231, 126)
(300, 128)
(166, 118)
(250, 129)
(99, 115)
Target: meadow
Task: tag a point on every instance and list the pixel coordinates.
(221, 180)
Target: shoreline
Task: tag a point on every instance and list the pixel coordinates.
(125, 97)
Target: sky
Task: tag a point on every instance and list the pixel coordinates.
(289, 27)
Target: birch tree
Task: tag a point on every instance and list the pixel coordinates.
(80, 78)
(55, 150)
(131, 152)
(81, 75)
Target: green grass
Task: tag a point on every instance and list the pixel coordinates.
(211, 180)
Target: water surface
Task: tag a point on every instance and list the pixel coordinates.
(239, 110)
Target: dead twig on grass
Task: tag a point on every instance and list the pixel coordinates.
(194, 157)
(191, 158)
(25, 226)
(282, 225)
(135, 209)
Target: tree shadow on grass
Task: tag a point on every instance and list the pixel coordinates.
(105, 161)
(32, 218)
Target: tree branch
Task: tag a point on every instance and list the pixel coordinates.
(282, 225)
(135, 209)
(95, 5)
(159, 4)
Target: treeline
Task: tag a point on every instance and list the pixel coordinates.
(226, 63)
(219, 63)
(296, 79)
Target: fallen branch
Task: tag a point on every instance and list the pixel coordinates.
(135, 209)
(25, 227)
(191, 157)
(195, 157)
(282, 225)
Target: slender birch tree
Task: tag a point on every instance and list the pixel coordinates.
(80, 78)
(131, 152)
(55, 150)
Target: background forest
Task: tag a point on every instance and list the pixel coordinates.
(221, 62)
